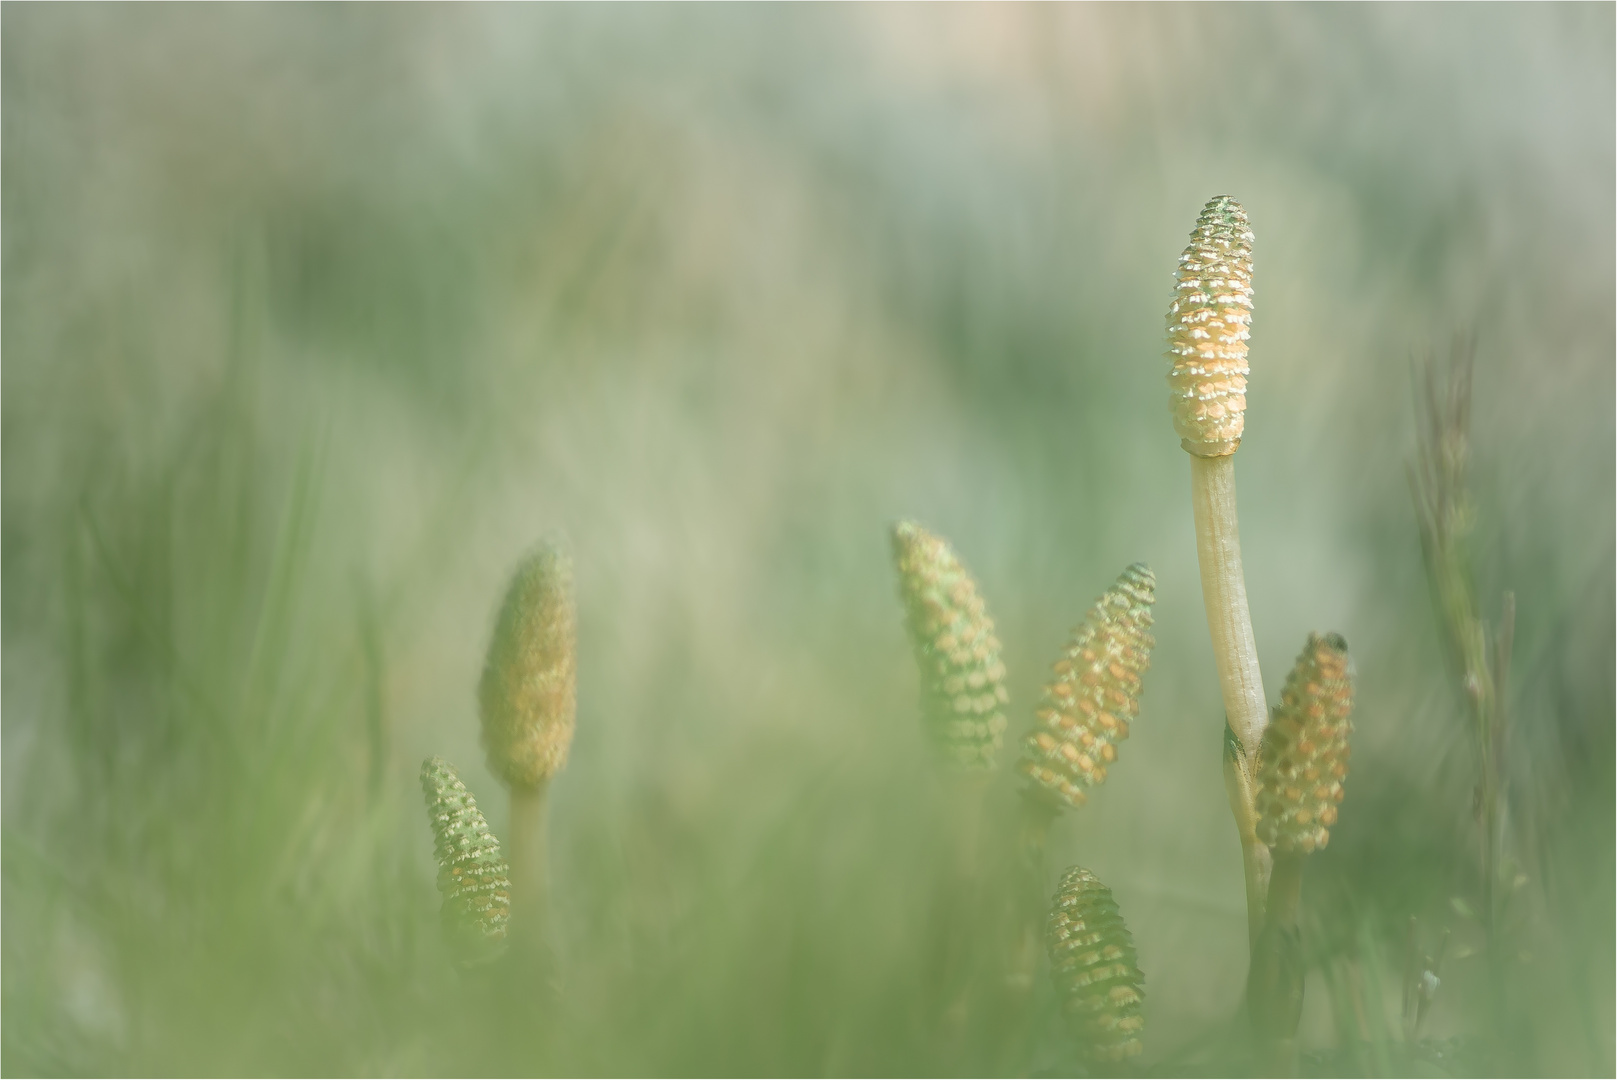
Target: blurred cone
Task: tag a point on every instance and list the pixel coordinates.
(1304, 759)
(1207, 331)
(472, 875)
(528, 694)
(1095, 694)
(962, 679)
(1094, 966)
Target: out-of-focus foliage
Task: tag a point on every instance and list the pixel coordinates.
(316, 318)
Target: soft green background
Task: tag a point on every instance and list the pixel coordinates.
(317, 318)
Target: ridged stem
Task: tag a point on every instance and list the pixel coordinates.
(527, 852)
(1218, 550)
(1229, 623)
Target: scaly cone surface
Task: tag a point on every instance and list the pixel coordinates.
(1304, 760)
(528, 694)
(1094, 696)
(1095, 969)
(472, 875)
(963, 693)
(1207, 331)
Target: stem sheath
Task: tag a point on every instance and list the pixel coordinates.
(1255, 860)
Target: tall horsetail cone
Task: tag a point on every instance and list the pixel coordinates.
(1305, 749)
(1094, 695)
(1207, 331)
(528, 694)
(1094, 967)
(963, 692)
(472, 874)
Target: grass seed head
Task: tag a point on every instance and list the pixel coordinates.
(528, 694)
(1094, 694)
(1094, 966)
(1207, 331)
(963, 693)
(472, 875)
(1304, 760)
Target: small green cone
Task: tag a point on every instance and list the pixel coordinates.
(472, 875)
(1095, 969)
(962, 678)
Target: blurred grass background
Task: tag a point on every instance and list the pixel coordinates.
(316, 318)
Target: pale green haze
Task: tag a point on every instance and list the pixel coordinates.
(317, 318)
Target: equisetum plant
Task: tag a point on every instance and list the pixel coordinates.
(1284, 773)
(1208, 324)
(527, 699)
(1283, 777)
(1301, 769)
(963, 699)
